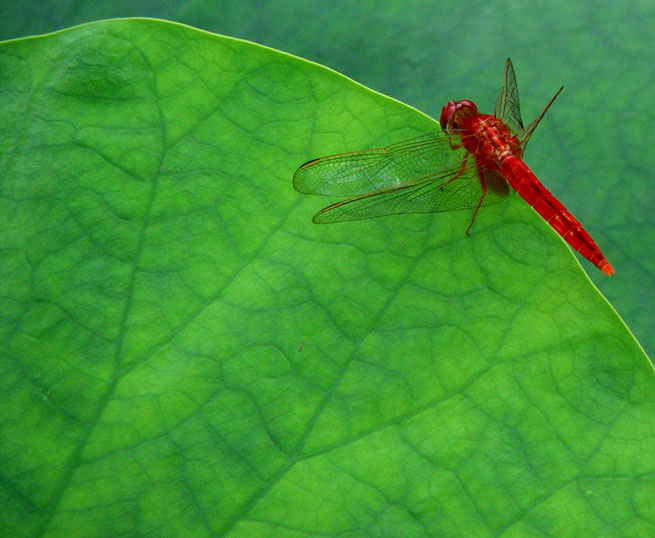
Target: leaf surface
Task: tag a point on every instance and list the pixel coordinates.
(185, 353)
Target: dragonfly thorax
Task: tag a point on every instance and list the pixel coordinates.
(453, 113)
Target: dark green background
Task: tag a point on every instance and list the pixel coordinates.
(424, 53)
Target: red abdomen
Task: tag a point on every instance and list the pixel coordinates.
(551, 209)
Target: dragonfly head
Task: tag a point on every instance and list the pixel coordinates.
(453, 113)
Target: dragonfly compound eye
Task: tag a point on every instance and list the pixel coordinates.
(454, 111)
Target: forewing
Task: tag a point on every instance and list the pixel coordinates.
(507, 106)
(361, 172)
(432, 194)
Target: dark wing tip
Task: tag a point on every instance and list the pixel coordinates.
(309, 163)
(297, 176)
(321, 218)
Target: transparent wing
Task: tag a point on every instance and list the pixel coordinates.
(360, 172)
(435, 192)
(524, 136)
(507, 106)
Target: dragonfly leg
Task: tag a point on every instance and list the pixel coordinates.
(454, 146)
(483, 186)
(461, 171)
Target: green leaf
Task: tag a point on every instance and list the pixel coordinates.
(185, 353)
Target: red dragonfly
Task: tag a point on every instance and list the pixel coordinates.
(425, 174)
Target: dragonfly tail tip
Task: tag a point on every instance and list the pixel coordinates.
(606, 268)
